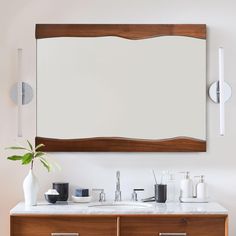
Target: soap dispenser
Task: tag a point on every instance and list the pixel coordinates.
(171, 189)
(201, 188)
(186, 186)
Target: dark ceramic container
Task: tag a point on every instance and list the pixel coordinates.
(51, 198)
(62, 189)
(160, 192)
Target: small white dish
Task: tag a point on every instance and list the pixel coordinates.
(81, 199)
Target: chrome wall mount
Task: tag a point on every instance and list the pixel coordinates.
(215, 91)
(220, 91)
(27, 93)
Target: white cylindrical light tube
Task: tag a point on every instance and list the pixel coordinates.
(221, 91)
(19, 93)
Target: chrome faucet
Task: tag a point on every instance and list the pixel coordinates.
(117, 192)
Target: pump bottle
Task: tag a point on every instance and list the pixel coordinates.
(186, 186)
(201, 188)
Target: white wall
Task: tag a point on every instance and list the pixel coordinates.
(17, 22)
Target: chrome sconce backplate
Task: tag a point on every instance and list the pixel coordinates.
(27, 93)
(214, 92)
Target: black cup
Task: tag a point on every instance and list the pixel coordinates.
(62, 189)
(160, 192)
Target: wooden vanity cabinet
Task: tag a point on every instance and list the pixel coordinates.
(122, 225)
(63, 225)
(174, 225)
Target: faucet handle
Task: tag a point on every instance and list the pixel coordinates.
(102, 195)
(134, 196)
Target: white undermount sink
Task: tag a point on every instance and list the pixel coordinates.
(121, 205)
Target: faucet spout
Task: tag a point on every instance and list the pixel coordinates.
(118, 192)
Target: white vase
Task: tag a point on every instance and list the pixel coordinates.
(31, 187)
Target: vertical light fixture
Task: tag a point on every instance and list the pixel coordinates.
(21, 92)
(220, 91)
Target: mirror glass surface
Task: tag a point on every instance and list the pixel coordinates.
(114, 87)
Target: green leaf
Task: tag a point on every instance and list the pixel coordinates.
(45, 164)
(39, 154)
(15, 158)
(39, 146)
(30, 145)
(17, 148)
(27, 158)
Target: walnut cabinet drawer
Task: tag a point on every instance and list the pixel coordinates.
(172, 226)
(63, 226)
(169, 225)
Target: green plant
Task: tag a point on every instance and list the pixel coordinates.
(30, 156)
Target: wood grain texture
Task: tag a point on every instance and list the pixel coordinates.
(227, 226)
(40, 226)
(129, 31)
(123, 225)
(193, 226)
(118, 226)
(118, 144)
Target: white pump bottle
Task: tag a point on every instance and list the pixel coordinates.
(186, 186)
(201, 188)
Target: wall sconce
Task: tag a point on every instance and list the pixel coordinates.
(220, 91)
(21, 93)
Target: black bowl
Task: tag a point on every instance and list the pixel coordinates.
(51, 198)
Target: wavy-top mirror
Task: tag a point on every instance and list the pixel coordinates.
(102, 91)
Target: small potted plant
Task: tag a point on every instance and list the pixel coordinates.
(30, 184)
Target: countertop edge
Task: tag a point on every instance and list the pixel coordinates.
(178, 209)
(215, 214)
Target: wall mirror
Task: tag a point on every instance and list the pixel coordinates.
(121, 88)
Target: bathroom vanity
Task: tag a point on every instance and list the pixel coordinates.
(155, 219)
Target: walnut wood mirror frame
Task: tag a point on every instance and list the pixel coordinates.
(120, 144)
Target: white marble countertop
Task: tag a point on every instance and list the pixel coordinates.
(86, 209)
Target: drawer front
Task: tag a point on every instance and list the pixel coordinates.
(172, 226)
(63, 226)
